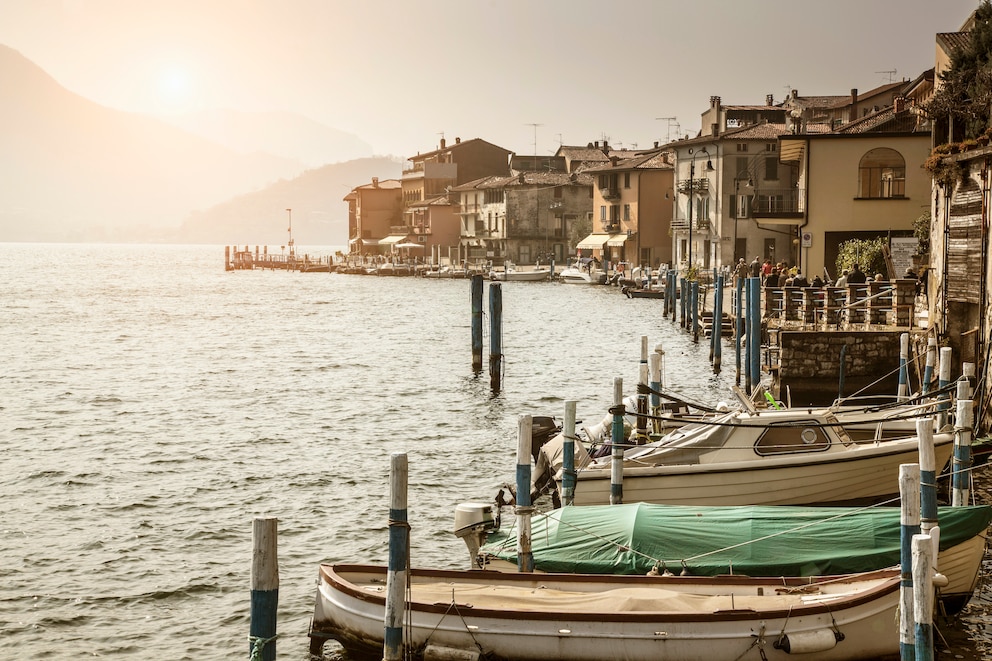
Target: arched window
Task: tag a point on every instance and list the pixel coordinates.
(882, 174)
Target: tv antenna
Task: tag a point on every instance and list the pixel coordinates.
(890, 73)
(672, 121)
(535, 135)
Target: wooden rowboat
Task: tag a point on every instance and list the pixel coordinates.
(576, 617)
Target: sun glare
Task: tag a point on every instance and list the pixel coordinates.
(175, 89)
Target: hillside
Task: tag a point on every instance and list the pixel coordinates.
(320, 216)
(72, 170)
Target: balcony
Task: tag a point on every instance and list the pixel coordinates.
(778, 203)
(610, 193)
(611, 227)
(682, 225)
(698, 185)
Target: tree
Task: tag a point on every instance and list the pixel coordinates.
(921, 230)
(867, 253)
(965, 96)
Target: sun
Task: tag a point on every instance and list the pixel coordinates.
(175, 89)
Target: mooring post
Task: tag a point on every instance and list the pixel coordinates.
(739, 328)
(264, 589)
(673, 308)
(476, 323)
(655, 364)
(968, 376)
(616, 438)
(495, 336)
(928, 475)
(399, 544)
(754, 332)
(903, 392)
(683, 302)
(923, 556)
(961, 464)
(931, 361)
(642, 397)
(909, 520)
(695, 311)
(568, 454)
(944, 380)
(717, 327)
(525, 556)
(841, 371)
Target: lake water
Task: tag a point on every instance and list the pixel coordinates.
(153, 404)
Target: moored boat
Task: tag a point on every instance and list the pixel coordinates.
(574, 617)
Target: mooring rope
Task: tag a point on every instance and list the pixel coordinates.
(258, 646)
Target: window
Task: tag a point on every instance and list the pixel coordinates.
(790, 439)
(771, 168)
(771, 146)
(742, 172)
(614, 214)
(626, 180)
(741, 146)
(558, 192)
(626, 212)
(602, 212)
(882, 174)
(559, 229)
(740, 206)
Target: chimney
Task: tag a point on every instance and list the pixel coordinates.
(655, 144)
(714, 102)
(795, 94)
(769, 99)
(442, 143)
(597, 144)
(375, 182)
(853, 114)
(899, 103)
(614, 159)
(715, 129)
(458, 140)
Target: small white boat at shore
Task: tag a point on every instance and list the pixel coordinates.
(579, 617)
(513, 274)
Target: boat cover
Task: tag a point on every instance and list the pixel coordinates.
(709, 541)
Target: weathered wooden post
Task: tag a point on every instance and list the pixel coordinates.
(739, 327)
(754, 333)
(928, 475)
(909, 520)
(399, 544)
(655, 364)
(642, 397)
(616, 437)
(264, 589)
(961, 463)
(683, 302)
(968, 376)
(903, 392)
(695, 311)
(476, 323)
(525, 556)
(931, 360)
(227, 259)
(944, 380)
(923, 555)
(495, 336)
(717, 328)
(841, 371)
(568, 454)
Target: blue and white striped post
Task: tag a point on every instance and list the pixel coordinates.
(399, 545)
(568, 454)
(525, 556)
(264, 589)
(922, 550)
(739, 326)
(928, 475)
(642, 398)
(616, 437)
(655, 365)
(944, 380)
(930, 362)
(961, 464)
(754, 332)
(717, 328)
(909, 520)
(903, 392)
(695, 311)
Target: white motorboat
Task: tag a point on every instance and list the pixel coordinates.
(769, 457)
(513, 274)
(582, 617)
(583, 272)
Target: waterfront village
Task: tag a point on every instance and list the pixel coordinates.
(855, 225)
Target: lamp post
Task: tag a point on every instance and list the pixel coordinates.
(692, 174)
(749, 188)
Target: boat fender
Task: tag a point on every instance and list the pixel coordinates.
(439, 653)
(805, 642)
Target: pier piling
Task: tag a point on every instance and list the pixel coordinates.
(524, 508)
(495, 336)
(476, 323)
(399, 543)
(264, 589)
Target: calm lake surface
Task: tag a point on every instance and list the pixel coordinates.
(152, 404)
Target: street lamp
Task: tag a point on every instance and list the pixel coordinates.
(692, 174)
(749, 189)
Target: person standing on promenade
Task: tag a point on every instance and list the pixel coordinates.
(856, 276)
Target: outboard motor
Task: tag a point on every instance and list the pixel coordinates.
(543, 429)
(473, 522)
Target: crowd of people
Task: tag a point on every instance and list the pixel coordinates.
(784, 275)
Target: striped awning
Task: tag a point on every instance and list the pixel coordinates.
(617, 240)
(593, 241)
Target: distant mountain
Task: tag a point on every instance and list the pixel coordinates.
(284, 134)
(319, 216)
(73, 170)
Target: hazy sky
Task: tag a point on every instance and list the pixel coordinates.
(399, 73)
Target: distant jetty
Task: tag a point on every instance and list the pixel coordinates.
(246, 260)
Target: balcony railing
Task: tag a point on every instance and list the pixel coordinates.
(698, 185)
(682, 224)
(778, 203)
(610, 193)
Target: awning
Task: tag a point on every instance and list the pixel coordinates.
(391, 239)
(593, 241)
(617, 240)
(365, 242)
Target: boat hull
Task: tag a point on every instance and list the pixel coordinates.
(528, 617)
